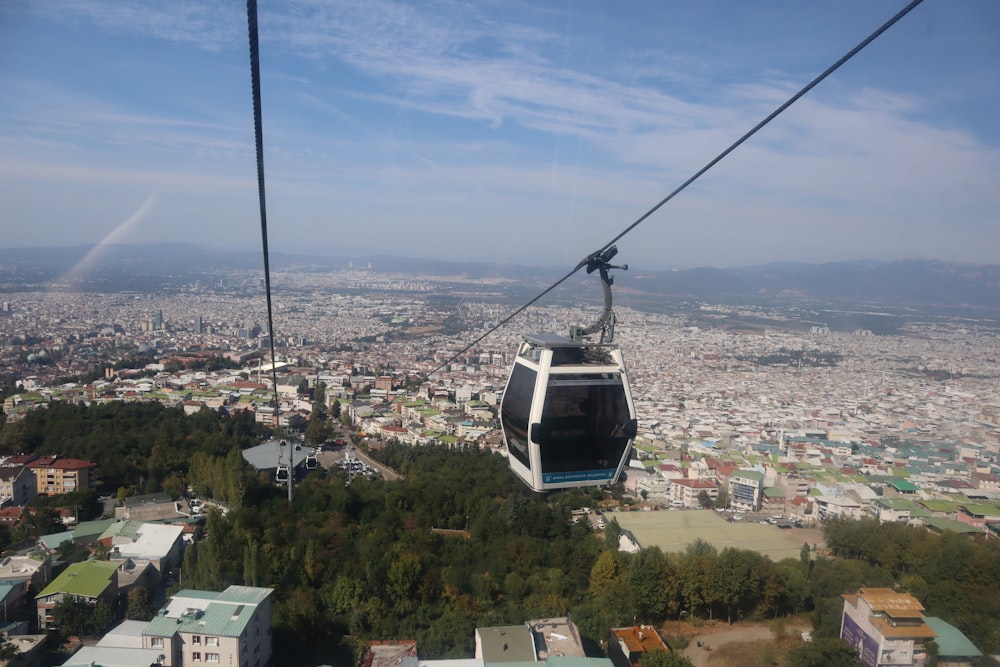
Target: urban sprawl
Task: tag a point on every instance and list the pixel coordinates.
(805, 423)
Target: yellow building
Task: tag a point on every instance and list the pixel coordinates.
(55, 475)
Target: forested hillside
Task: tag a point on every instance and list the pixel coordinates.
(360, 561)
(138, 447)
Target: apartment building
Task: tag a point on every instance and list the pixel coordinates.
(685, 492)
(745, 489)
(889, 629)
(91, 581)
(894, 510)
(796, 486)
(228, 628)
(17, 485)
(55, 475)
(157, 544)
(886, 627)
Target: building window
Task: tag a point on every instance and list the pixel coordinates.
(211, 657)
(157, 642)
(211, 641)
(196, 656)
(196, 639)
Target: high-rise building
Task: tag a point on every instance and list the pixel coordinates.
(198, 327)
(158, 320)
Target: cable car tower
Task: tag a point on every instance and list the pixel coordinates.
(567, 414)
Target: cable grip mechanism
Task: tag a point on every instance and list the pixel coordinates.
(600, 261)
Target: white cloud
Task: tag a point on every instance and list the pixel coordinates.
(440, 114)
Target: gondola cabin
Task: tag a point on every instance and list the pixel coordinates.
(567, 414)
(282, 475)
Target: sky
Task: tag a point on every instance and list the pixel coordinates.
(508, 131)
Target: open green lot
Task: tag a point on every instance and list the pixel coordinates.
(674, 530)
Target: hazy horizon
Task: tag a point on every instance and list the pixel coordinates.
(96, 251)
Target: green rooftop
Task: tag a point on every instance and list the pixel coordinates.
(942, 524)
(898, 504)
(952, 644)
(902, 485)
(87, 579)
(222, 619)
(982, 509)
(127, 529)
(945, 506)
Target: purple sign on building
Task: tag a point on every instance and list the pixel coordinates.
(866, 646)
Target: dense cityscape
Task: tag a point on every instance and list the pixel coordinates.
(792, 424)
(728, 386)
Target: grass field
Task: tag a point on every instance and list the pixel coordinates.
(674, 530)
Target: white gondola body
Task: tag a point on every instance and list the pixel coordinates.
(567, 414)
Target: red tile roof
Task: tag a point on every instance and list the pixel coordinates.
(59, 463)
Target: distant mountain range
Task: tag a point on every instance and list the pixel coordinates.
(926, 282)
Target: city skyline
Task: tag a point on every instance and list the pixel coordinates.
(505, 132)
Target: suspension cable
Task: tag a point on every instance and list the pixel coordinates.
(698, 174)
(259, 141)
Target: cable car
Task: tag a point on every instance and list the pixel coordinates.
(282, 474)
(567, 414)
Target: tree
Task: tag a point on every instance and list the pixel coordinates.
(824, 652)
(317, 431)
(297, 423)
(71, 615)
(734, 579)
(613, 533)
(651, 585)
(5, 537)
(606, 577)
(101, 619)
(319, 399)
(698, 581)
(661, 658)
(8, 651)
(403, 581)
(933, 652)
(76, 616)
(705, 500)
(139, 608)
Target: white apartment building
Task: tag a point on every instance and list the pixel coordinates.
(686, 491)
(745, 489)
(231, 628)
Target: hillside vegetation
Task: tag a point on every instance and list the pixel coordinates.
(361, 561)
